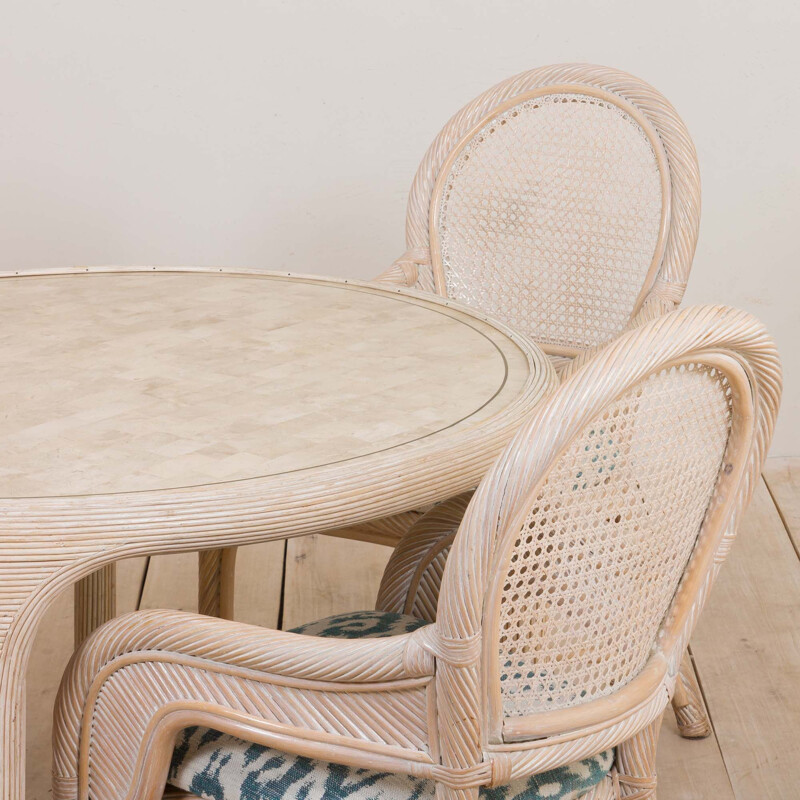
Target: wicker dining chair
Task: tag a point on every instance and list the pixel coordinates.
(564, 201)
(570, 590)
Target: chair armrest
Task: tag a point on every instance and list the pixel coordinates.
(411, 271)
(413, 576)
(143, 677)
(400, 273)
(251, 647)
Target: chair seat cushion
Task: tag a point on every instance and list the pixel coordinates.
(218, 766)
(361, 625)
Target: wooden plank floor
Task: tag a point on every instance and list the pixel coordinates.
(746, 648)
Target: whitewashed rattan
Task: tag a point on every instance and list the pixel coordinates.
(59, 525)
(430, 703)
(565, 201)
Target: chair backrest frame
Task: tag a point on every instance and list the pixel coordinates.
(666, 657)
(673, 149)
(721, 338)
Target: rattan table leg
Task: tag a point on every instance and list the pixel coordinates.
(27, 589)
(216, 582)
(95, 601)
(12, 732)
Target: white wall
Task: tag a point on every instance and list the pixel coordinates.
(285, 134)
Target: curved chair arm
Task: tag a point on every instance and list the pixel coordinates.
(411, 581)
(411, 271)
(400, 273)
(143, 677)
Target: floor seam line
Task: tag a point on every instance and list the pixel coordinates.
(694, 663)
(281, 601)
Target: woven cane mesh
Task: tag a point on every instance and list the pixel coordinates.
(599, 558)
(550, 217)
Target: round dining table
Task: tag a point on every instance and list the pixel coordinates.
(158, 410)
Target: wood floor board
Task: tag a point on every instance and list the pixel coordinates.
(690, 769)
(747, 653)
(783, 480)
(259, 578)
(130, 579)
(172, 583)
(327, 575)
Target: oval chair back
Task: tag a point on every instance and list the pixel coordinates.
(564, 201)
(586, 554)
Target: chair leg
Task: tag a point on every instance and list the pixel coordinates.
(216, 582)
(636, 764)
(688, 705)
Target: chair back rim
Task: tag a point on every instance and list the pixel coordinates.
(655, 115)
(664, 663)
(437, 265)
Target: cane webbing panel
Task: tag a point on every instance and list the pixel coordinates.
(550, 216)
(599, 558)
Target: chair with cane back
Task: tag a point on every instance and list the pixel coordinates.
(570, 590)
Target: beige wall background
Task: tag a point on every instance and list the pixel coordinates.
(285, 135)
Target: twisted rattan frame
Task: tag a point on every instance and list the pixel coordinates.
(667, 283)
(412, 578)
(421, 703)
